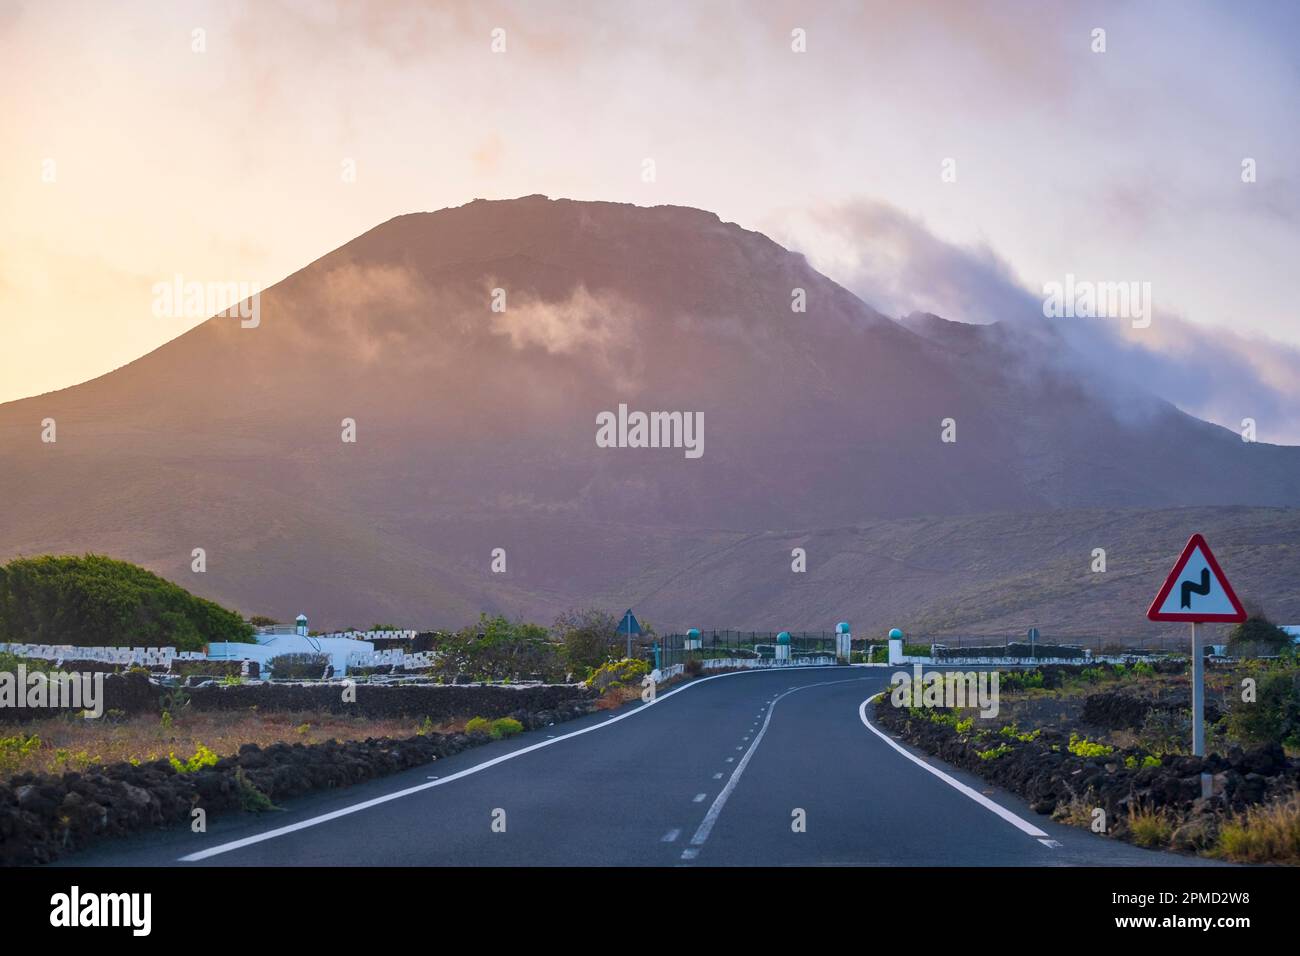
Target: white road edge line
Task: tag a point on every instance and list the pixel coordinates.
(710, 818)
(397, 795)
(956, 784)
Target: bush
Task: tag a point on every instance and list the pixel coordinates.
(1150, 827)
(589, 637)
(499, 649)
(478, 725)
(1265, 834)
(203, 757)
(96, 601)
(1274, 716)
(617, 674)
(1257, 635)
(505, 727)
(299, 666)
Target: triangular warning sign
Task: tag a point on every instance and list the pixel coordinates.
(1197, 590)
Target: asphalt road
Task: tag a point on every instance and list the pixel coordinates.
(713, 773)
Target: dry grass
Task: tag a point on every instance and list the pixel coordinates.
(1150, 827)
(1266, 834)
(69, 743)
(618, 696)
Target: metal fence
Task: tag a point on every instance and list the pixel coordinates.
(728, 643)
(671, 648)
(1097, 643)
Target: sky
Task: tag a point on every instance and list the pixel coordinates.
(941, 156)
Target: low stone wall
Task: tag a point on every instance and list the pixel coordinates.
(45, 816)
(135, 693)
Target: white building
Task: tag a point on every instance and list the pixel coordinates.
(281, 639)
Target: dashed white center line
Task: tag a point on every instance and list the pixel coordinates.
(699, 798)
(671, 836)
(715, 810)
(717, 776)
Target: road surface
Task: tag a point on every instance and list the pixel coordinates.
(715, 772)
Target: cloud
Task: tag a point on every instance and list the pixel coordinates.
(892, 261)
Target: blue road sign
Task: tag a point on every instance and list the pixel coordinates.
(629, 624)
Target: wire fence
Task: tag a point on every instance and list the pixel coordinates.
(672, 648)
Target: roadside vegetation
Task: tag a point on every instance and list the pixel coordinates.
(98, 601)
(66, 744)
(1076, 740)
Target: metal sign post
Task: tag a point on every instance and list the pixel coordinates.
(1197, 591)
(1198, 693)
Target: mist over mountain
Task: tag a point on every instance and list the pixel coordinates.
(475, 429)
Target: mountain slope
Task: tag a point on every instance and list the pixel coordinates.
(476, 428)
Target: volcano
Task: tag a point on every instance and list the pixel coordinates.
(471, 355)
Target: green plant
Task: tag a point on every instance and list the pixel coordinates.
(251, 799)
(95, 600)
(1165, 731)
(1274, 715)
(203, 757)
(1133, 762)
(299, 666)
(231, 680)
(13, 750)
(177, 698)
(1081, 747)
(1011, 730)
(478, 725)
(1149, 827)
(505, 727)
(1263, 834)
(1258, 635)
(426, 728)
(614, 674)
(166, 720)
(1001, 750)
(588, 638)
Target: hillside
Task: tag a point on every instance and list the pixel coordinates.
(476, 430)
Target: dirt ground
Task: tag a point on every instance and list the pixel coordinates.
(75, 744)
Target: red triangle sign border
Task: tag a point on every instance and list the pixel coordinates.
(1194, 542)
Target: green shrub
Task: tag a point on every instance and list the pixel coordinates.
(615, 674)
(1133, 763)
(1082, 747)
(299, 666)
(251, 799)
(1258, 635)
(13, 750)
(478, 725)
(1274, 715)
(505, 727)
(95, 600)
(203, 757)
(499, 649)
(1165, 731)
(993, 753)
